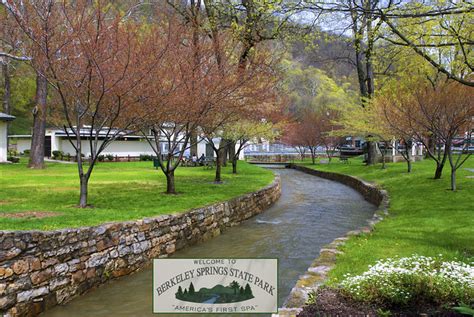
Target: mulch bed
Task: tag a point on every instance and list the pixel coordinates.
(330, 302)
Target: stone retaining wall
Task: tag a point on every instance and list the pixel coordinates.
(40, 269)
(316, 274)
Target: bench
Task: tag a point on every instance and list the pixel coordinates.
(209, 163)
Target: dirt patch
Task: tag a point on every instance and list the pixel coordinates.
(330, 302)
(30, 214)
(4, 202)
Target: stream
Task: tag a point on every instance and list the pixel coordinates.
(311, 212)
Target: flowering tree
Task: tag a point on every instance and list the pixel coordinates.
(442, 112)
(445, 111)
(98, 64)
(188, 97)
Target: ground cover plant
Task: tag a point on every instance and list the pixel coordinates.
(47, 199)
(406, 281)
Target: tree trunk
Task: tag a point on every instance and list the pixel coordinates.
(6, 88)
(225, 153)
(408, 160)
(371, 153)
(313, 158)
(369, 50)
(194, 145)
(170, 187)
(84, 179)
(453, 178)
(234, 165)
(6, 94)
(431, 147)
(219, 153)
(39, 123)
(231, 149)
(439, 170)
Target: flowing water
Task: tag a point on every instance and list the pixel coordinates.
(310, 213)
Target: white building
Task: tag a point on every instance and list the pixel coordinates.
(123, 146)
(4, 119)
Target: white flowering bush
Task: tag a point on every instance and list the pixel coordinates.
(413, 279)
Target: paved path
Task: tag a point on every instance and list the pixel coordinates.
(58, 161)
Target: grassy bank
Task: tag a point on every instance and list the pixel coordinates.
(426, 218)
(46, 199)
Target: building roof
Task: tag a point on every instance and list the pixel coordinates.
(6, 117)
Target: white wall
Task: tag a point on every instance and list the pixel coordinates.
(3, 141)
(119, 148)
(201, 148)
(23, 144)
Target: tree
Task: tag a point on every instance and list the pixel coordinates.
(240, 133)
(398, 125)
(440, 112)
(315, 101)
(248, 291)
(191, 289)
(252, 98)
(292, 137)
(32, 47)
(439, 32)
(99, 65)
(447, 111)
(189, 93)
(362, 121)
(235, 286)
(179, 294)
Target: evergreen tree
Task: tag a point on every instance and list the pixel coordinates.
(241, 291)
(191, 289)
(179, 294)
(235, 286)
(248, 291)
(185, 292)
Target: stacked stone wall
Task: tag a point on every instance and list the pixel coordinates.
(41, 269)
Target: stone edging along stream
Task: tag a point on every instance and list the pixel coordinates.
(316, 274)
(40, 269)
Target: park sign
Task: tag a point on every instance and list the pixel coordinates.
(215, 286)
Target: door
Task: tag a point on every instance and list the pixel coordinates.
(47, 146)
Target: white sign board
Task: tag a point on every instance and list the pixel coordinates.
(215, 286)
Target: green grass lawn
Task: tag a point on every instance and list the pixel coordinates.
(426, 218)
(118, 191)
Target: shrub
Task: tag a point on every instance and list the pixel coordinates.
(101, 158)
(146, 157)
(12, 153)
(110, 157)
(413, 279)
(13, 159)
(58, 155)
(26, 152)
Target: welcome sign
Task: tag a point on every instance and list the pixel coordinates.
(219, 286)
